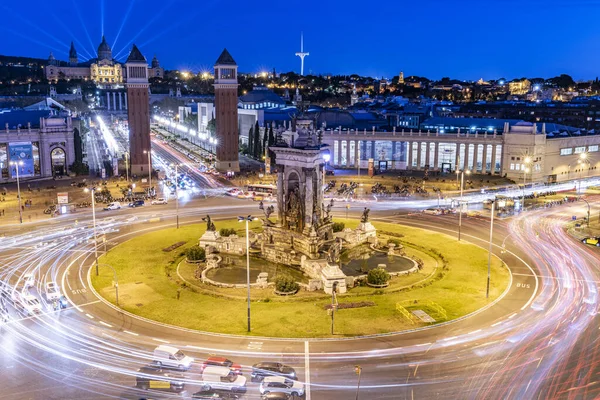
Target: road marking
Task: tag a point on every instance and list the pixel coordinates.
(423, 344)
(497, 323)
(512, 315)
(160, 340)
(132, 333)
(416, 369)
(105, 324)
(90, 316)
(477, 331)
(306, 371)
(255, 345)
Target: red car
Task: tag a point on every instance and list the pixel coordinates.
(222, 362)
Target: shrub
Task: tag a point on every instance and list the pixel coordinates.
(378, 276)
(226, 232)
(285, 284)
(196, 253)
(338, 226)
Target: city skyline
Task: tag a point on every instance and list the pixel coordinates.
(434, 45)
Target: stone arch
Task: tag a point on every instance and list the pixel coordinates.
(58, 161)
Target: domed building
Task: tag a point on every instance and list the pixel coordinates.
(103, 70)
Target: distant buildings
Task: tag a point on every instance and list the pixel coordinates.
(519, 87)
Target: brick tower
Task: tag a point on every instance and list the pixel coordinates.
(226, 103)
(138, 112)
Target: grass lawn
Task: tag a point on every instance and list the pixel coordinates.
(148, 287)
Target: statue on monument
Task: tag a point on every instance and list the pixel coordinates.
(294, 208)
(210, 226)
(268, 211)
(365, 215)
(333, 255)
(327, 211)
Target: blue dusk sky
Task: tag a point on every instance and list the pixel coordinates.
(434, 38)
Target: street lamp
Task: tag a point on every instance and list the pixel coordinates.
(583, 159)
(176, 195)
(92, 192)
(357, 371)
(127, 166)
(588, 218)
(462, 184)
(149, 152)
(17, 164)
(249, 218)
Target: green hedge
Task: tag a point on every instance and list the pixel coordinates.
(286, 284)
(196, 253)
(378, 276)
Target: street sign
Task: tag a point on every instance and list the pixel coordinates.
(62, 198)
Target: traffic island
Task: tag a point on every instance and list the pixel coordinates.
(162, 286)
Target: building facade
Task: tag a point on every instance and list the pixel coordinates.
(138, 112)
(226, 111)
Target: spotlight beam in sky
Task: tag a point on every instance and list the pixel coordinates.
(176, 25)
(102, 16)
(82, 48)
(30, 39)
(36, 27)
(125, 18)
(83, 24)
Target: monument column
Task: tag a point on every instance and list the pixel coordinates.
(280, 194)
(409, 156)
(466, 162)
(419, 151)
(138, 112)
(436, 156)
(484, 161)
(226, 103)
(493, 166)
(428, 154)
(107, 101)
(114, 102)
(309, 196)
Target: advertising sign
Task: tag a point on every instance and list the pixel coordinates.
(63, 198)
(22, 154)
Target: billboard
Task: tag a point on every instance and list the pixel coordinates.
(63, 198)
(22, 153)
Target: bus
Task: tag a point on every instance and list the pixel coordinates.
(264, 190)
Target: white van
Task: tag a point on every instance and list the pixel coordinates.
(171, 357)
(115, 205)
(214, 377)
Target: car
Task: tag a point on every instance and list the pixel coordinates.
(432, 211)
(63, 302)
(160, 200)
(222, 378)
(52, 291)
(172, 357)
(282, 385)
(215, 395)
(150, 377)
(260, 370)
(30, 304)
(593, 241)
(329, 172)
(136, 203)
(29, 280)
(115, 205)
(275, 396)
(222, 362)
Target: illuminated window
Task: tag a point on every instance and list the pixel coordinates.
(593, 148)
(566, 151)
(580, 149)
(512, 167)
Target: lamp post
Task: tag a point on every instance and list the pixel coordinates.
(526, 162)
(357, 371)
(588, 217)
(487, 290)
(583, 159)
(127, 166)
(462, 184)
(149, 152)
(92, 192)
(247, 219)
(17, 164)
(358, 161)
(326, 158)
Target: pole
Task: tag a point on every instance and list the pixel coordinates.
(176, 196)
(588, 212)
(358, 161)
(248, 270)
(462, 179)
(94, 220)
(149, 171)
(127, 166)
(487, 291)
(19, 194)
(358, 384)
(524, 175)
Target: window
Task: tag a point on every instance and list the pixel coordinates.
(593, 148)
(580, 149)
(512, 167)
(566, 151)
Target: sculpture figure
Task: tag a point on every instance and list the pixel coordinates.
(365, 215)
(267, 211)
(210, 226)
(334, 252)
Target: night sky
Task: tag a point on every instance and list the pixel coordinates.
(464, 39)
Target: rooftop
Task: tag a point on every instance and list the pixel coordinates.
(225, 59)
(136, 55)
(16, 118)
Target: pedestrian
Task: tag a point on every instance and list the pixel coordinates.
(178, 293)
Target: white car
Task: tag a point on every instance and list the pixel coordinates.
(171, 357)
(432, 211)
(115, 205)
(160, 200)
(29, 280)
(31, 305)
(52, 291)
(281, 384)
(222, 378)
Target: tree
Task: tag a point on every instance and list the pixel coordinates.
(212, 126)
(378, 276)
(251, 141)
(265, 142)
(271, 136)
(257, 147)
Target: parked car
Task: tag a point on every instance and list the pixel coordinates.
(160, 200)
(150, 377)
(593, 241)
(222, 362)
(52, 291)
(432, 211)
(222, 378)
(136, 203)
(115, 205)
(215, 395)
(282, 385)
(171, 357)
(261, 370)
